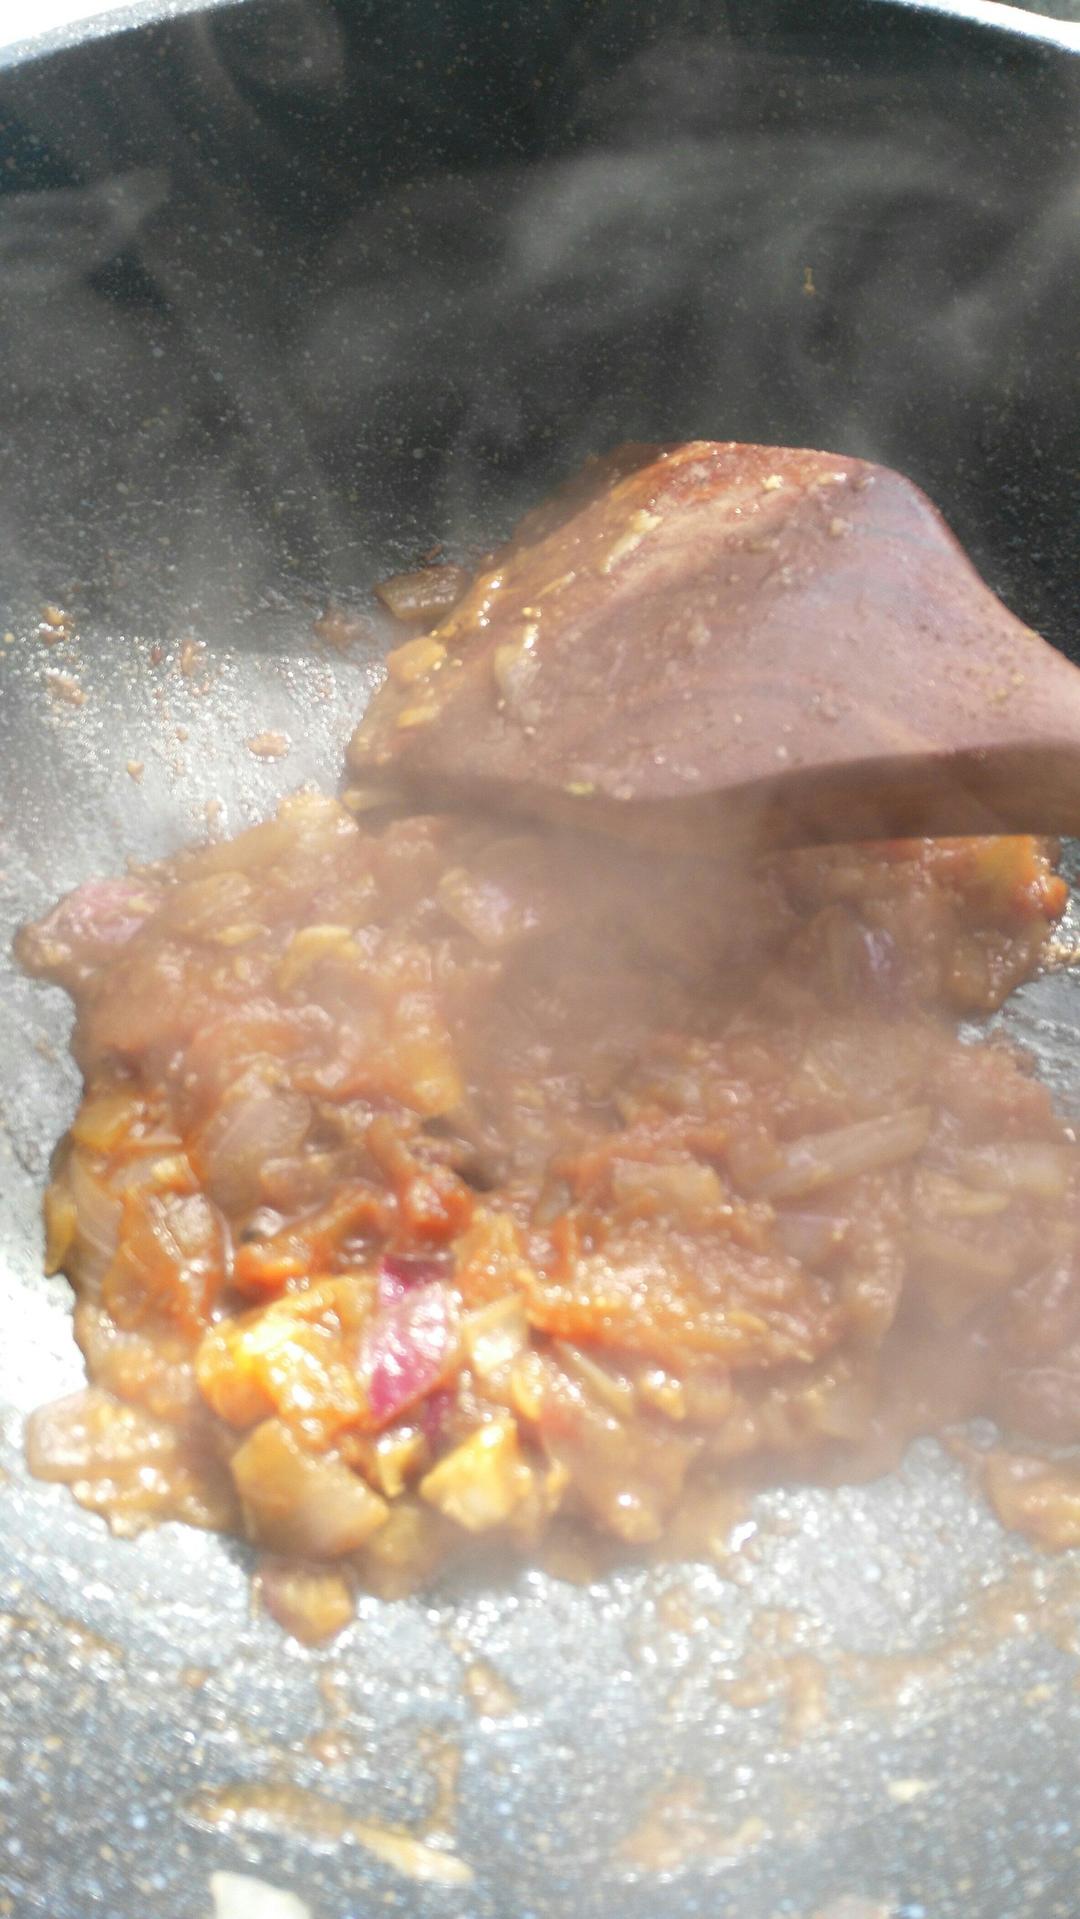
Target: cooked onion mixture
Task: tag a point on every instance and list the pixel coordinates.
(438, 1179)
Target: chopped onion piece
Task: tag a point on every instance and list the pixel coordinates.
(61, 1225)
(505, 894)
(98, 1234)
(256, 1122)
(404, 1552)
(495, 1335)
(102, 1121)
(615, 1393)
(415, 659)
(434, 1412)
(396, 1456)
(554, 1198)
(956, 1276)
(90, 1433)
(1039, 1497)
(307, 947)
(1029, 1169)
(933, 1245)
(302, 1503)
(484, 906)
(811, 1238)
(663, 1392)
(838, 1405)
(939, 1196)
(202, 908)
(823, 1159)
(401, 1273)
(89, 924)
(311, 1602)
(408, 1350)
(481, 1481)
(681, 1189)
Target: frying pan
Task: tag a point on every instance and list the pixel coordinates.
(288, 292)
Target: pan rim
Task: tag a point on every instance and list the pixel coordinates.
(25, 47)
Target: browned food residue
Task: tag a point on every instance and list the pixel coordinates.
(56, 624)
(192, 656)
(812, 1684)
(487, 1692)
(441, 1754)
(679, 1828)
(342, 629)
(45, 1619)
(799, 1680)
(63, 686)
(268, 746)
(292, 1812)
(423, 597)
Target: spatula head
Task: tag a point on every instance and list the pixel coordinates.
(775, 645)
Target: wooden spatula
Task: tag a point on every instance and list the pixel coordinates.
(734, 644)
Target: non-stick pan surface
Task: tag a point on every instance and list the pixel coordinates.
(287, 294)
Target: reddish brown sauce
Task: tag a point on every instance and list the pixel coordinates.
(434, 1180)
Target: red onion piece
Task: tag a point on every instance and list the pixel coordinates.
(101, 913)
(401, 1273)
(810, 1238)
(256, 1121)
(408, 1350)
(434, 1416)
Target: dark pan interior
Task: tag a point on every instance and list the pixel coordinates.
(288, 293)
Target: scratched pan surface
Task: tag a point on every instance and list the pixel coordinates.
(286, 294)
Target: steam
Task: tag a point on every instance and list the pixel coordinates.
(720, 261)
(369, 338)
